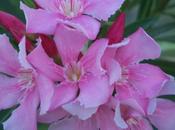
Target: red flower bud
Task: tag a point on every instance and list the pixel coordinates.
(116, 31)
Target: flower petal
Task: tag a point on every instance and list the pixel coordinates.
(53, 116)
(39, 59)
(141, 47)
(39, 20)
(64, 93)
(69, 43)
(114, 70)
(94, 89)
(168, 88)
(146, 79)
(86, 24)
(105, 119)
(24, 117)
(47, 4)
(23, 54)
(9, 58)
(91, 61)
(120, 122)
(9, 92)
(74, 124)
(108, 7)
(76, 109)
(164, 116)
(46, 91)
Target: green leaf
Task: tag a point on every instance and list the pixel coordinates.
(146, 24)
(162, 29)
(42, 127)
(30, 3)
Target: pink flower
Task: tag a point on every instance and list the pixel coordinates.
(139, 81)
(83, 79)
(128, 117)
(103, 119)
(79, 14)
(21, 84)
(164, 116)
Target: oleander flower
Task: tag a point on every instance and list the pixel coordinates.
(103, 119)
(138, 81)
(83, 80)
(83, 15)
(22, 85)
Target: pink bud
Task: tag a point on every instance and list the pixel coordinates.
(49, 45)
(14, 26)
(116, 31)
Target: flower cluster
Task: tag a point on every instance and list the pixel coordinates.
(61, 78)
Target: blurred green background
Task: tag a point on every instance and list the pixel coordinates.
(157, 17)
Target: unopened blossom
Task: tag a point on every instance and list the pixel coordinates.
(83, 80)
(21, 85)
(84, 15)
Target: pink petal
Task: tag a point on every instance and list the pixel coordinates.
(131, 97)
(140, 47)
(69, 43)
(144, 125)
(111, 50)
(47, 4)
(94, 89)
(9, 58)
(46, 91)
(92, 59)
(86, 24)
(53, 116)
(168, 88)
(39, 59)
(105, 119)
(114, 70)
(64, 93)
(23, 54)
(39, 20)
(152, 106)
(102, 10)
(76, 109)
(9, 93)
(147, 79)
(73, 124)
(164, 117)
(25, 116)
(120, 122)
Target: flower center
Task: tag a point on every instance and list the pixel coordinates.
(73, 72)
(26, 79)
(132, 121)
(70, 8)
(124, 76)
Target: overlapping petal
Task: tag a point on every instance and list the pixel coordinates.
(108, 7)
(8, 65)
(45, 64)
(24, 117)
(69, 43)
(140, 47)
